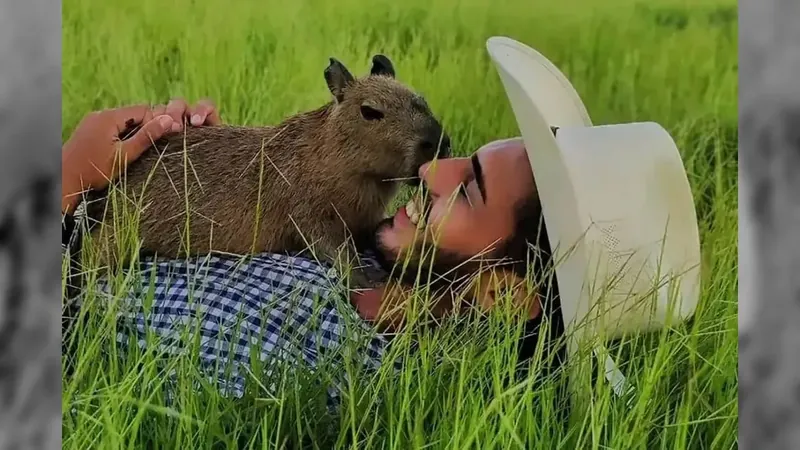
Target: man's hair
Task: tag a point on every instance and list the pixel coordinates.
(528, 248)
(530, 255)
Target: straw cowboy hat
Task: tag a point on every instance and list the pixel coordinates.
(616, 203)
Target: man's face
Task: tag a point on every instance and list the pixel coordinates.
(468, 211)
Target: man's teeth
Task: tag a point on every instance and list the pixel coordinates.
(414, 212)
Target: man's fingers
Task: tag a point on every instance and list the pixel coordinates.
(153, 130)
(177, 108)
(159, 110)
(130, 116)
(204, 112)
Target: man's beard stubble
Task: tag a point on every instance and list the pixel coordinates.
(421, 264)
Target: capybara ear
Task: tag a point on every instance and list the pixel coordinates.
(381, 65)
(338, 77)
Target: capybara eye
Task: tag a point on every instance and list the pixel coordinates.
(370, 113)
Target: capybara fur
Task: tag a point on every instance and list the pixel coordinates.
(318, 180)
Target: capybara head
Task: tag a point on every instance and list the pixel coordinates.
(378, 113)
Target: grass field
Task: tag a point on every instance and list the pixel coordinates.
(666, 61)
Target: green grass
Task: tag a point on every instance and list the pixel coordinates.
(666, 61)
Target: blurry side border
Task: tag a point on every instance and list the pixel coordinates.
(30, 264)
(769, 225)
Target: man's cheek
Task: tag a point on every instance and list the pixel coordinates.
(438, 223)
(451, 226)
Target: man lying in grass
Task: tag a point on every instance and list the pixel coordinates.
(482, 212)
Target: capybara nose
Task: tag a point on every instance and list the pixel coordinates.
(444, 149)
(436, 145)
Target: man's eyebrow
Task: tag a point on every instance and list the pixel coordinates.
(476, 167)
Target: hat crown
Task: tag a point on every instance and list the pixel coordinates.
(638, 226)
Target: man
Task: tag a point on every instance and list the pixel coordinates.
(482, 213)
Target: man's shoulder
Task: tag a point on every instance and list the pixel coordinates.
(368, 263)
(367, 258)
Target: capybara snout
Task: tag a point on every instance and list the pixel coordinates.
(435, 143)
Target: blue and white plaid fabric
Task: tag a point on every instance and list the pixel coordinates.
(274, 307)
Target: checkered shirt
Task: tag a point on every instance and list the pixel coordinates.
(271, 306)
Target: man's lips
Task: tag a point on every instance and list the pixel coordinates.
(401, 217)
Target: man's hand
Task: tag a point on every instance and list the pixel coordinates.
(95, 154)
(387, 306)
(202, 113)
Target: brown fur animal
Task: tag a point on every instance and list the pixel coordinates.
(320, 178)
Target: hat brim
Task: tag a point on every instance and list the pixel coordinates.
(555, 97)
(532, 87)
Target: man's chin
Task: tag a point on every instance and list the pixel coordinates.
(388, 247)
(384, 252)
(404, 268)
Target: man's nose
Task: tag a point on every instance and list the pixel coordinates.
(443, 176)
